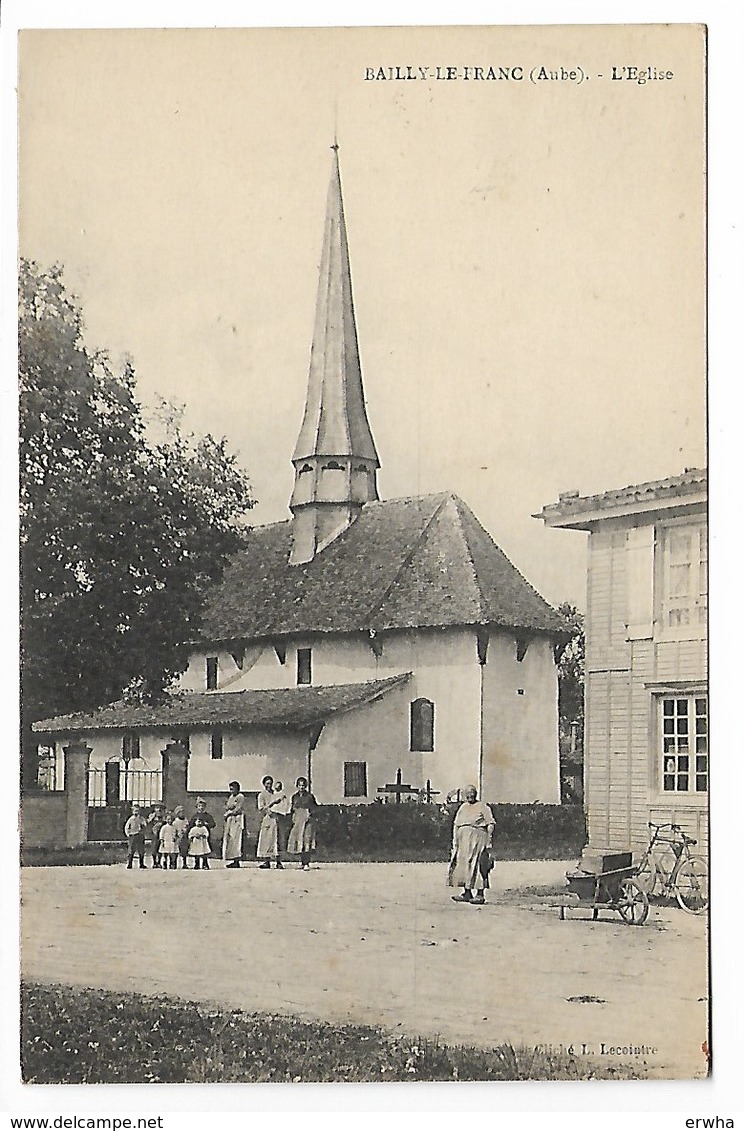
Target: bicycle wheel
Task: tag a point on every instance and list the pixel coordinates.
(646, 876)
(691, 885)
(633, 905)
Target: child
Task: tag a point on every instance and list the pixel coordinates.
(282, 809)
(134, 831)
(155, 822)
(168, 843)
(180, 828)
(199, 844)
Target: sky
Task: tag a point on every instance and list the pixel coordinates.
(527, 257)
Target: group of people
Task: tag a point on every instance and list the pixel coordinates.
(172, 837)
(287, 824)
(287, 829)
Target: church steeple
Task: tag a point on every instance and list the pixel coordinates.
(335, 459)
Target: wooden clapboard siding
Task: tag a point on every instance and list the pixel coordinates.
(621, 741)
(693, 820)
(681, 659)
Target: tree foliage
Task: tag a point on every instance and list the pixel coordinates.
(571, 670)
(120, 535)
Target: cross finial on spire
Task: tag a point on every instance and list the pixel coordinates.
(335, 146)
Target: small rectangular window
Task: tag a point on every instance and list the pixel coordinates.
(216, 744)
(355, 779)
(211, 673)
(130, 747)
(304, 665)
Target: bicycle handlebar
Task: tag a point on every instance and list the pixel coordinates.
(675, 829)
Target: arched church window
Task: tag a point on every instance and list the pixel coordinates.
(304, 666)
(422, 725)
(332, 465)
(305, 468)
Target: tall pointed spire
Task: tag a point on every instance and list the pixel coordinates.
(335, 458)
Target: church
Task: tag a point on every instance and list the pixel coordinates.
(362, 642)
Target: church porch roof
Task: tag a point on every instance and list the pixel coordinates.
(293, 708)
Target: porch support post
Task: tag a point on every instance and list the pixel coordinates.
(175, 771)
(77, 761)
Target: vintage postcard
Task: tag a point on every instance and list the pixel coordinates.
(364, 539)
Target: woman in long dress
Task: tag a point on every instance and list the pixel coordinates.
(267, 848)
(232, 836)
(472, 835)
(302, 834)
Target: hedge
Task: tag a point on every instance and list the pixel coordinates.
(522, 831)
(386, 831)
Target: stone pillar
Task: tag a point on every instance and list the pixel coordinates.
(175, 769)
(77, 761)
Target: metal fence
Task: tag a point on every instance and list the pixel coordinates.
(113, 784)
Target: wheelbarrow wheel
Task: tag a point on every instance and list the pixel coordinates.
(633, 904)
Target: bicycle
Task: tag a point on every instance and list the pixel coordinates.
(667, 867)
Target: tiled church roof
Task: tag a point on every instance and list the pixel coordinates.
(418, 562)
(293, 707)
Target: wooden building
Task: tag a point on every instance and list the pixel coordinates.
(646, 723)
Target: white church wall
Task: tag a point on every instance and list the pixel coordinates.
(446, 672)
(259, 667)
(247, 757)
(377, 735)
(520, 722)
(520, 735)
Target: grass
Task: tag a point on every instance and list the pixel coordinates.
(82, 1036)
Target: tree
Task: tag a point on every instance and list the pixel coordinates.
(571, 669)
(120, 536)
(571, 703)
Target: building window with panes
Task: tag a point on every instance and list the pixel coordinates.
(355, 779)
(216, 744)
(684, 738)
(684, 605)
(212, 672)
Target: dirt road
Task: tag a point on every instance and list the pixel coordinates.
(381, 944)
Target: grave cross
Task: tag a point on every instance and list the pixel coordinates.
(397, 787)
(429, 792)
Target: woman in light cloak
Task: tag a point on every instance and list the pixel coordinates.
(472, 837)
(232, 837)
